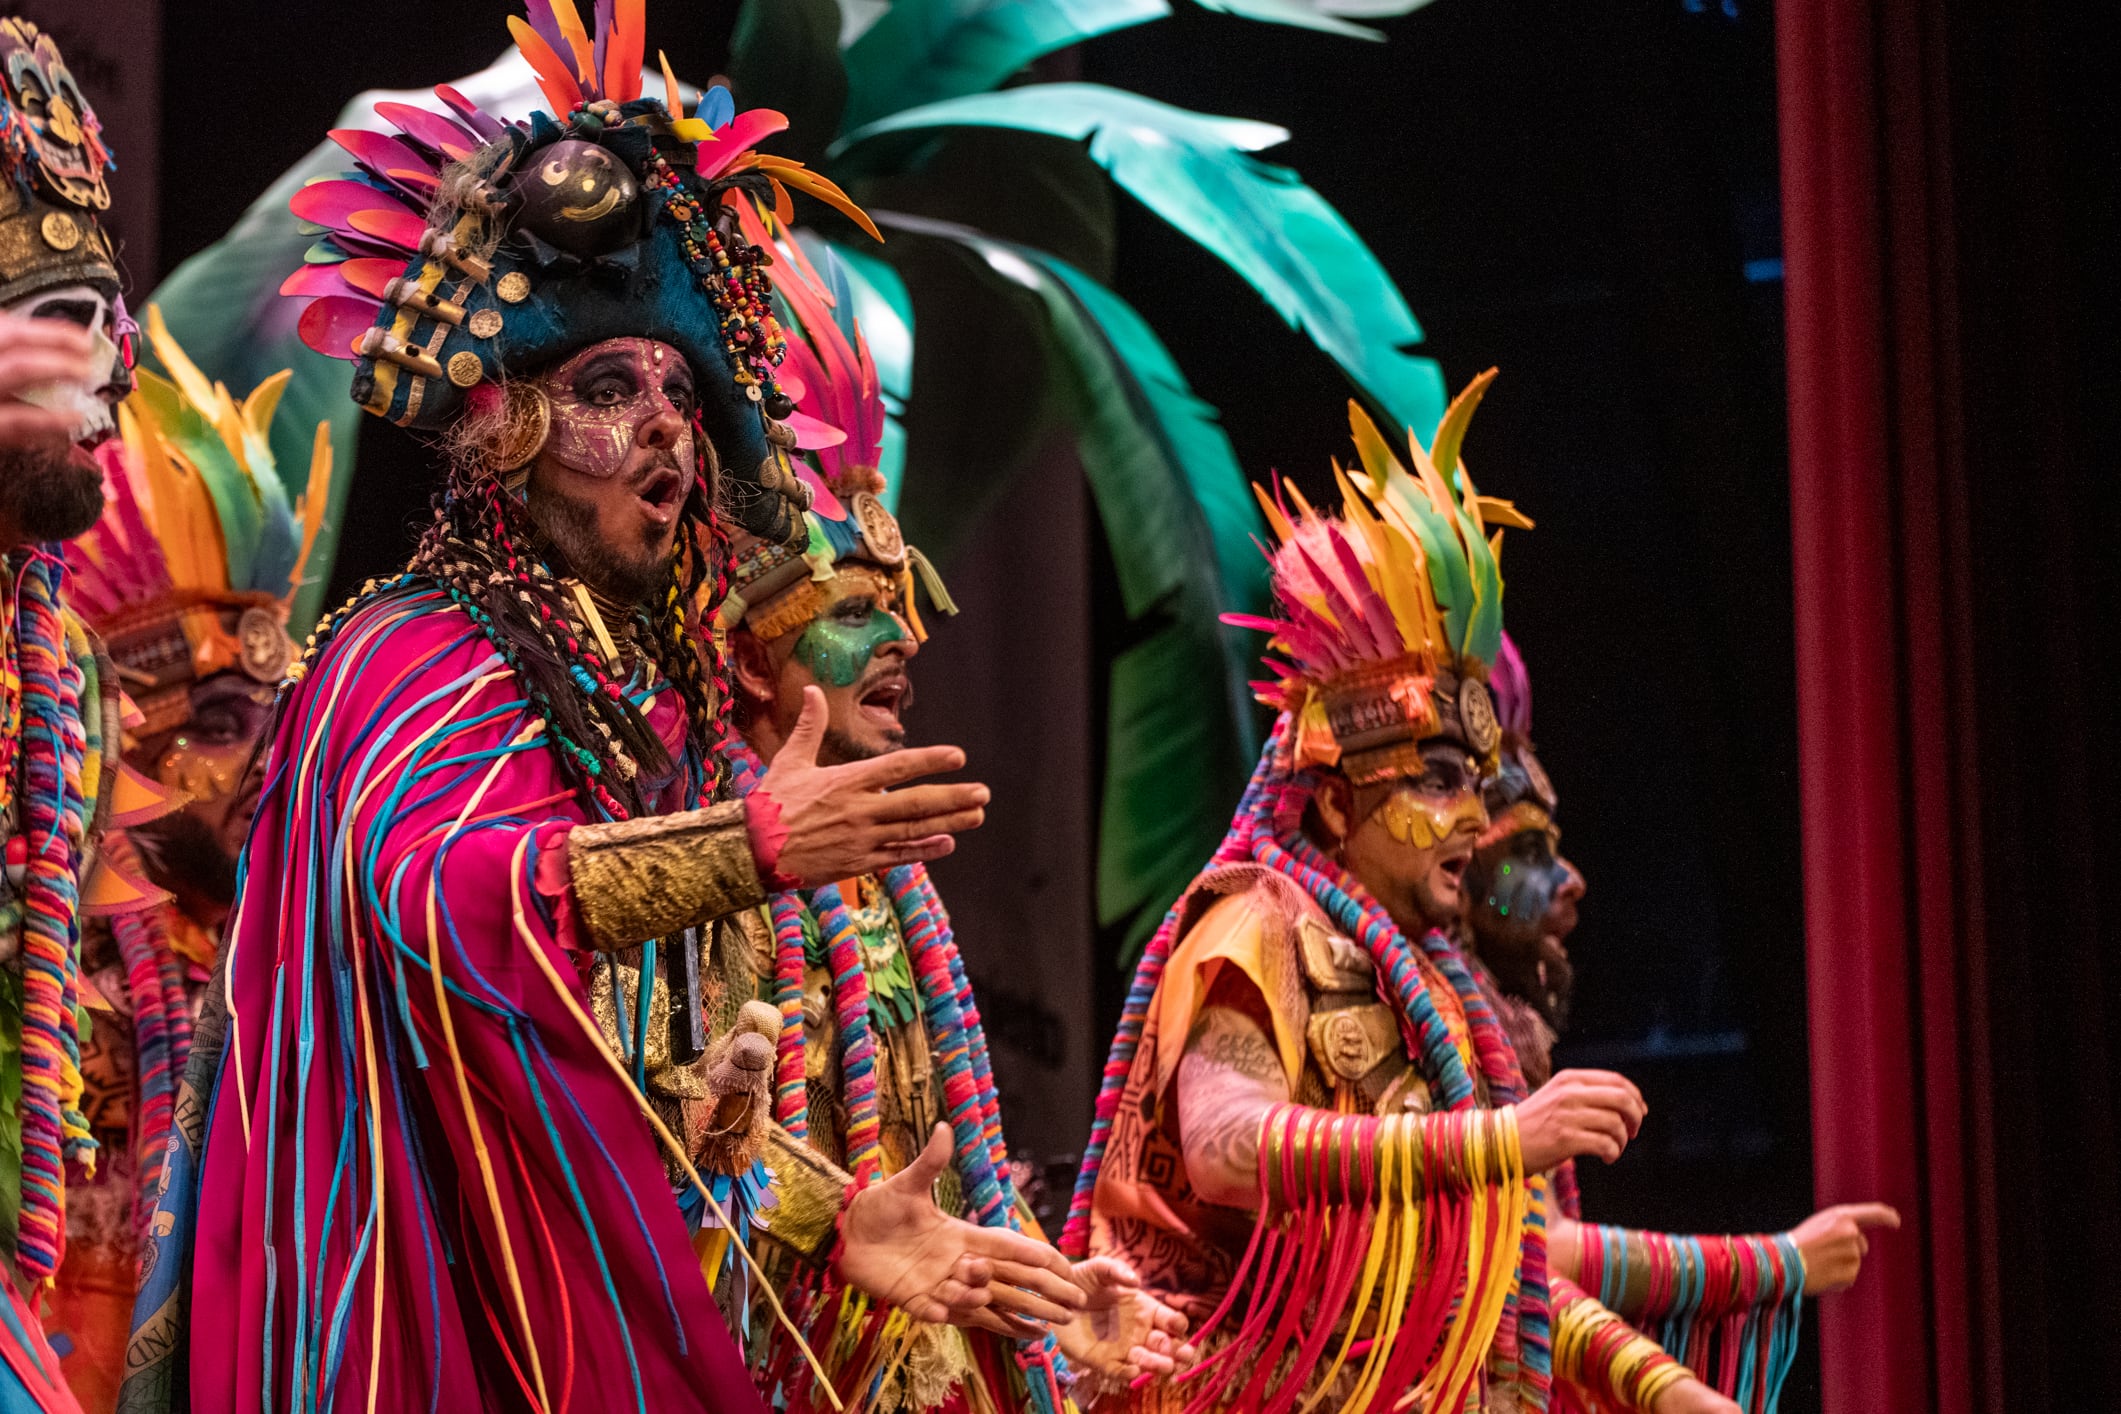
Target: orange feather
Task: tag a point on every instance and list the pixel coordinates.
(560, 88)
(624, 50)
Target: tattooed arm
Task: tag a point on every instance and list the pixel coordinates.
(1230, 1076)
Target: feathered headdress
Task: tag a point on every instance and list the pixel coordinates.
(201, 547)
(838, 423)
(469, 249)
(1391, 613)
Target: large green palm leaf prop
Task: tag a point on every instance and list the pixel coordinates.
(892, 102)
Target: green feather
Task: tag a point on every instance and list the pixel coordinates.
(1282, 237)
(925, 51)
(235, 499)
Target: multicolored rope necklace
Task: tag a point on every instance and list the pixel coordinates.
(957, 1044)
(53, 821)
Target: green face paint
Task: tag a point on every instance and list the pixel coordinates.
(837, 652)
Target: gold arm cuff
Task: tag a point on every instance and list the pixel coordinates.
(654, 877)
(810, 1189)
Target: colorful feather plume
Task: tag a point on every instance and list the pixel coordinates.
(1407, 569)
(197, 506)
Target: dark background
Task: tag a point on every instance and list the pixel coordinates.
(1582, 192)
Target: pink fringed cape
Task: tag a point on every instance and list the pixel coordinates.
(367, 1239)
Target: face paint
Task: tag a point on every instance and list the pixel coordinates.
(1417, 818)
(603, 396)
(837, 652)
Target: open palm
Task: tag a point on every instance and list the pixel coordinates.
(898, 1246)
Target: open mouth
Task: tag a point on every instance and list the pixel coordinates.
(97, 426)
(661, 494)
(884, 702)
(1454, 865)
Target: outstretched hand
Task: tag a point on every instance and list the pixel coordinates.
(1832, 1243)
(846, 820)
(1691, 1396)
(1124, 1333)
(902, 1249)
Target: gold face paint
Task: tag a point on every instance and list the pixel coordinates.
(1423, 820)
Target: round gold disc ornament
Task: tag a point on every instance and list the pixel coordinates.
(484, 323)
(880, 532)
(465, 368)
(61, 231)
(265, 648)
(1476, 717)
(514, 287)
(1536, 776)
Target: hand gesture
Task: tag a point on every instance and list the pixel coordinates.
(1124, 1332)
(1578, 1112)
(842, 821)
(1691, 1396)
(1832, 1243)
(901, 1249)
(35, 352)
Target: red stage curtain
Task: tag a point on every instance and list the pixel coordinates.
(1949, 213)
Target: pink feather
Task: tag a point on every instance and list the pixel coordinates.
(384, 156)
(482, 123)
(431, 129)
(743, 132)
(331, 325)
(399, 229)
(331, 202)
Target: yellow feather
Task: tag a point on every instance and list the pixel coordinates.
(263, 402)
(1451, 432)
(1303, 507)
(796, 175)
(316, 499)
(1370, 444)
(1496, 511)
(1388, 566)
(1279, 523)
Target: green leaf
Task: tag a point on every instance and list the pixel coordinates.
(1176, 518)
(923, 51)
(1326, 16)
(1283, 238)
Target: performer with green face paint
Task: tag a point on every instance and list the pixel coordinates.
(880, 1038)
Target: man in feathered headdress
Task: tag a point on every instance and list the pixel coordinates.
(494, 796)
(59, 704)
(1728, 1306)
(883, 1064)
(1313, 1136)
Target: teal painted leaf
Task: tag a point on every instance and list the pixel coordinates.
(1196, 172)
(1181, 728)
(924, 51)
(1326, 16)
(785, 55)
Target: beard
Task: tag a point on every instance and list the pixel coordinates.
(49, 492)
(624, 574)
